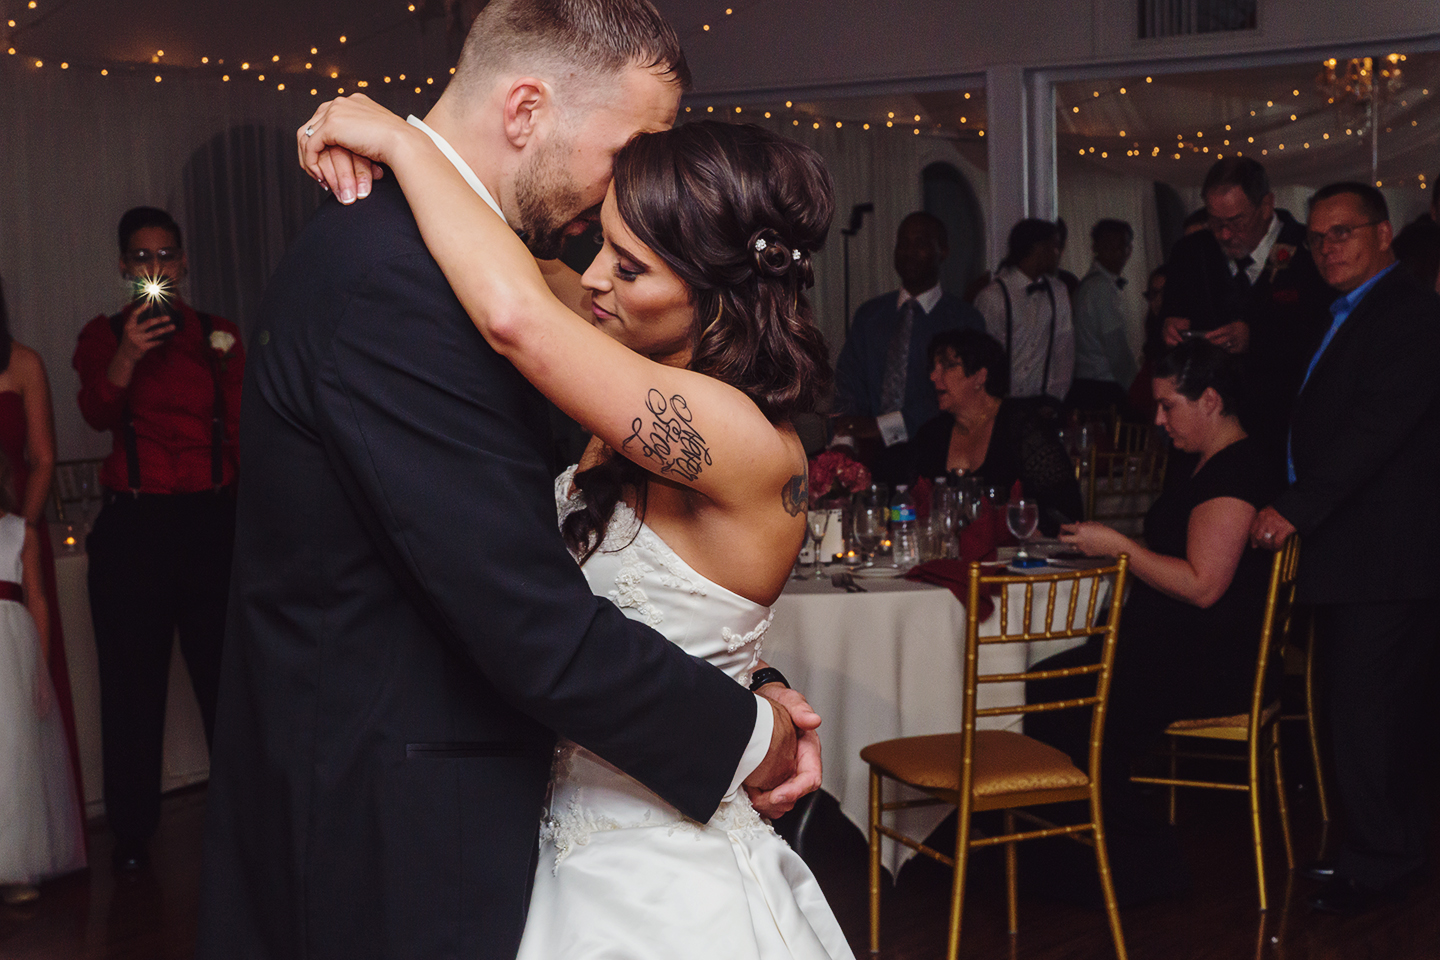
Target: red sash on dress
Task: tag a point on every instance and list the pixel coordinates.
(9, 590)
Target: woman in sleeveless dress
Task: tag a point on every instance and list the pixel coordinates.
(687, 510)
(41, 833)
(27, 438)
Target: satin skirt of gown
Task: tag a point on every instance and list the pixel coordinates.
(41, 831)
(622, 874)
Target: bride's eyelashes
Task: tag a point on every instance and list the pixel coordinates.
(623, 272)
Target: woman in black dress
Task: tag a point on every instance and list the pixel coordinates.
(1190, 627)
(981, 433)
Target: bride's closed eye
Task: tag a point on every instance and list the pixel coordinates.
(625, 272)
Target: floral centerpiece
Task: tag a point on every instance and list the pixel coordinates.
(835, 473)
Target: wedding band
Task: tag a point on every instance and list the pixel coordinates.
(309, 131)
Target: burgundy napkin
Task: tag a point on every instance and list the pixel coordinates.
(954, 575)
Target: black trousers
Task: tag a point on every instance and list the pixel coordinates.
(1379, 669)
(158, 564)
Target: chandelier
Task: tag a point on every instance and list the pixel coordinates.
(1359, 87)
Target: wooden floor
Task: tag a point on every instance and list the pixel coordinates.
(92, 915)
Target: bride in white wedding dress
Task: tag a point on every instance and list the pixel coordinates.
(693, 345)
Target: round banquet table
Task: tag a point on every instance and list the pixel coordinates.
(889, 663)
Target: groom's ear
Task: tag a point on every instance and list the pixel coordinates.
(528, 106)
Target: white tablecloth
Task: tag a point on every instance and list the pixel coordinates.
(889, 663)
(186, 759)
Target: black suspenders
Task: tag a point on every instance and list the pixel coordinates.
(217, 415)
(1009, 324)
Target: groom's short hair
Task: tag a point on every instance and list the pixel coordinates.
(586, 39)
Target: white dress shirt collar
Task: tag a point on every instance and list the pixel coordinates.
(459, 163)
(1261, 253)
(927, 300)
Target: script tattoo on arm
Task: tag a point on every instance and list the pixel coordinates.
(670, 438)
(795, 495)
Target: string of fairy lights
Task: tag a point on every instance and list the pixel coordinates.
(805, 116)
(1280, 128)
(318, 69)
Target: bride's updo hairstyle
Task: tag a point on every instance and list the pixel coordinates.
(737, 212)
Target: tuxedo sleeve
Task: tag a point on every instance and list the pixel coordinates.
(851, 395)
(435, 439)
(1394, 391)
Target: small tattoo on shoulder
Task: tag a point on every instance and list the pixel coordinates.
(795, 496)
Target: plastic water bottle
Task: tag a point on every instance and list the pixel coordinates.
(904, 531)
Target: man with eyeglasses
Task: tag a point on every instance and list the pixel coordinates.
(1363, 459)
(1248, 284)
(164, 379)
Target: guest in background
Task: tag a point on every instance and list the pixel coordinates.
(1104, 364)
(1417, 247)
(1364, 454)
(165, 380)
(981, 433)
(1027, 310)
(1187, 638)
(1072, 282)
(882, 393)
(1140, 395)
(1249, 285)
(27, 439)
(41, 832)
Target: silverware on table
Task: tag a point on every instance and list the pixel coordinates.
(846, 581)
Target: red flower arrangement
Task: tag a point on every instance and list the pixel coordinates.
(834, 473)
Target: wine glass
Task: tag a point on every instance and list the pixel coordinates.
(1022, 515)
(818, 522)
(871, 521)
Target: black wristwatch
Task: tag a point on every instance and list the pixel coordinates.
(767, 675)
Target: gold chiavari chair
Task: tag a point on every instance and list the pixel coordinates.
(1301, 662)
(1120, 487)
(980, 770)
(1258, 729)
(1130, 437)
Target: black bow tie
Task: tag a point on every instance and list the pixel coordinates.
(1120, 283)
(1037, 286)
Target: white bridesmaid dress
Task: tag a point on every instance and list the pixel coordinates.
(622, 874)
(40, 822)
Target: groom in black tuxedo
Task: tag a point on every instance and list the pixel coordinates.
(407, 632)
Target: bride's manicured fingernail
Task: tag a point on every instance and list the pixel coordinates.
(364, 189)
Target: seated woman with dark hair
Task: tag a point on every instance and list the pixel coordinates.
(981, 433)
(1188, 635)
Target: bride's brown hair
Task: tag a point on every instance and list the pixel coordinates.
(737, 212)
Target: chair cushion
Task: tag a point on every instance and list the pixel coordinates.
(1237, 722)
(1004, 762)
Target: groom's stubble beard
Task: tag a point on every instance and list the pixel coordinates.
(548, 200)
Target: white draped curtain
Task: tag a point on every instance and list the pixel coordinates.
(79, 149)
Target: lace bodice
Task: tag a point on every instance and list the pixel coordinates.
(649, 582)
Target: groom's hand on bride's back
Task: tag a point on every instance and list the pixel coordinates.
(792, 767)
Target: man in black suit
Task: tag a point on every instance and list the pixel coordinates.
(1364, 463)
(883, 393)
(1249, 285)
(408, 633)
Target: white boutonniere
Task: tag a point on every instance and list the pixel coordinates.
(222, 342)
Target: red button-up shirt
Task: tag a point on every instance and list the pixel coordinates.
(171, 398)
